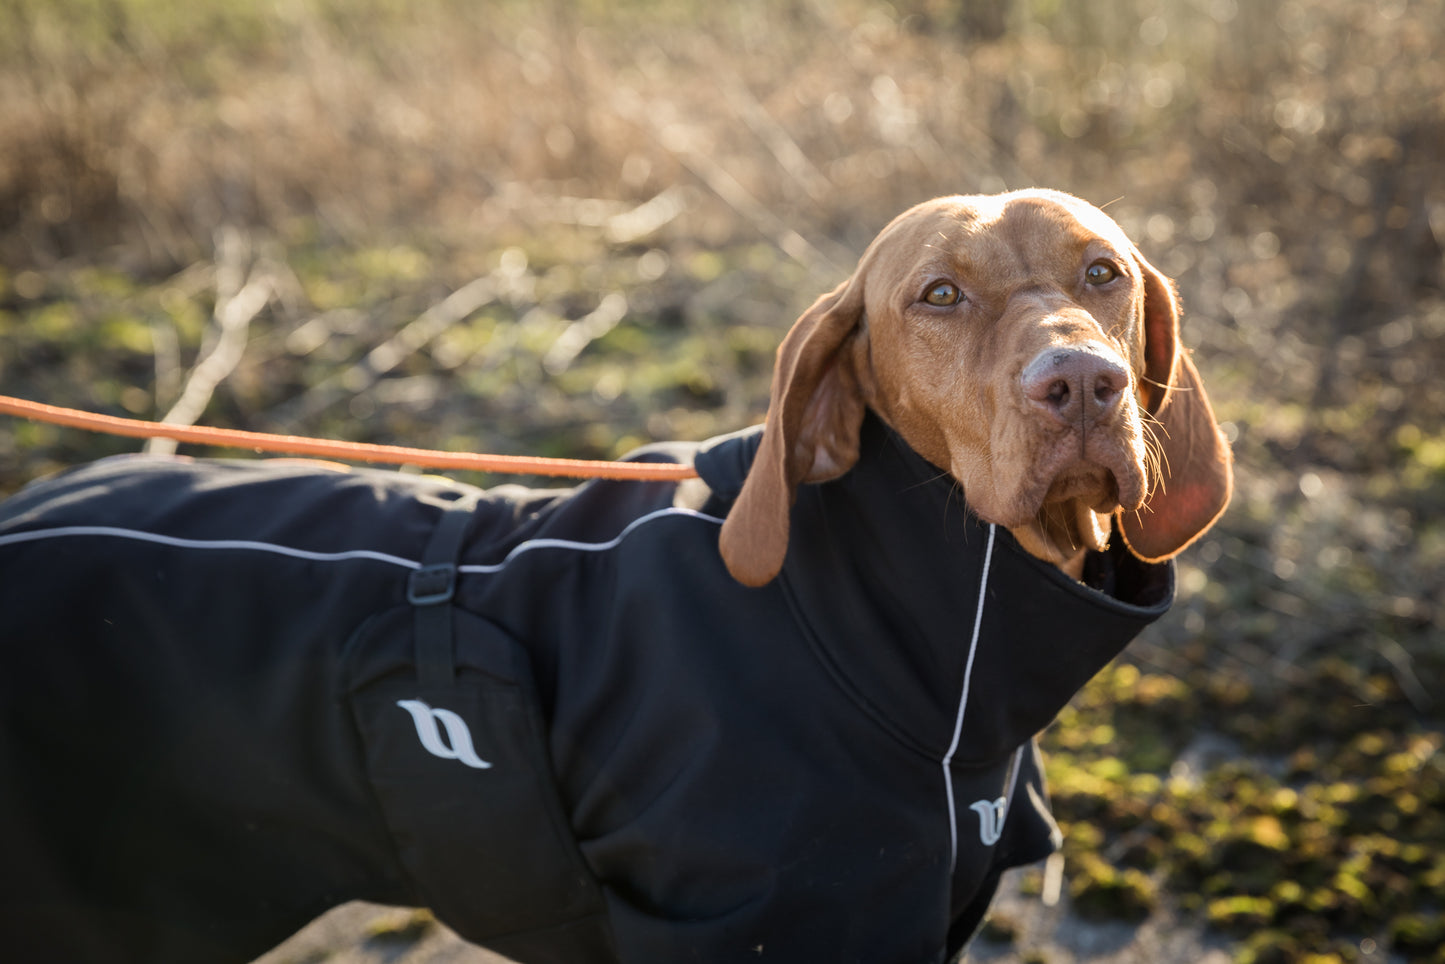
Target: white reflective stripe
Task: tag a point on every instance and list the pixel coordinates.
(613, 543)
(963, 704)
(138, 535)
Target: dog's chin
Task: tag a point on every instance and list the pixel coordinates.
(1063, 531)
(1061, 520)
(1085, 484)
(1060, 506)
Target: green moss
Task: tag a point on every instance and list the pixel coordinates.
(401, 927)
(1417, 933)
(1101, 891)
(1000, 929)
(1031, 882)
(1269, 947)
(1240, 914)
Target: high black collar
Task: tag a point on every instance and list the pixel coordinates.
(883, 571)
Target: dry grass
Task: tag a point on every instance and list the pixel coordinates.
(162, 121)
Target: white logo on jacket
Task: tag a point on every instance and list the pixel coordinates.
(990, 819)
(458, 745)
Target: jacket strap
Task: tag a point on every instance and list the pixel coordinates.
(430, 590)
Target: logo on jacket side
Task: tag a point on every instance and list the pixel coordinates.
(458, 744)
(990, 819)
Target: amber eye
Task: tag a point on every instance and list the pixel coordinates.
(943, 294)
(1100, 273)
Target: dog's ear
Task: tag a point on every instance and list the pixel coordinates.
(1191, 467)
(1161, 336)
(811, 433)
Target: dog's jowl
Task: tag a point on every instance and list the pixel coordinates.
(786, 711)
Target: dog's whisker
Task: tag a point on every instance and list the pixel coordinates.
(931, 480)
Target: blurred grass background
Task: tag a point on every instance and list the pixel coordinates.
(572, 227)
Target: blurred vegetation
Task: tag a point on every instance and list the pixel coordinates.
(568, 228)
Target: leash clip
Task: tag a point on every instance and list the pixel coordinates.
(432, 585)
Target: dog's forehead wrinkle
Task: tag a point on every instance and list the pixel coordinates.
(1030, 241)
(1063, 207)
(1039, 224)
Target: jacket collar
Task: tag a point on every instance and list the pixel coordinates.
(884, 571)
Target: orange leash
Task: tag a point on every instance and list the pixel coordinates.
(354, 451)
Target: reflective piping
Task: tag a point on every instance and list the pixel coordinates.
(534, 544)
(963, 705)
(177, 542)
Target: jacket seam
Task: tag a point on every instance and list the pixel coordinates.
(845, 685)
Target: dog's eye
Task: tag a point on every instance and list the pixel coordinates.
(943, 294)
(1101, 273)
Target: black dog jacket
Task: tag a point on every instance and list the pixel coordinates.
(235, 694)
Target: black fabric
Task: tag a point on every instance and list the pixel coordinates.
(206, 740)
(431, 588)
(489, 847)
(178, 781)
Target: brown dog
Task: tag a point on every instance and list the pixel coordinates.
(1019, 342)
(235, 694)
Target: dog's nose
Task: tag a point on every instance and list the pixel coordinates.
(1076, 385)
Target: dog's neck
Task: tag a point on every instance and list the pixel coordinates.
(885, 567)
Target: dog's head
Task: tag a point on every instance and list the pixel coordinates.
(1022, 344)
